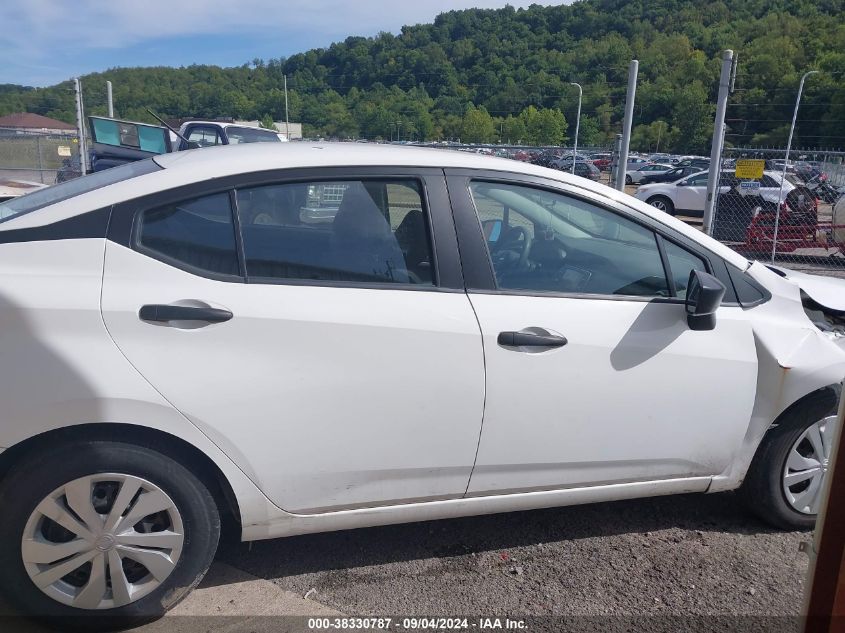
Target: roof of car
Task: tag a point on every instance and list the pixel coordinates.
(242, 158)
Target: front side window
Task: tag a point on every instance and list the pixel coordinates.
(197, 234)
(698, 181)
(364, 231)
(550, 242)
(681, 263)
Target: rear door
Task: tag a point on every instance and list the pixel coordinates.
(313, 324)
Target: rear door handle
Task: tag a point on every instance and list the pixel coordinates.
(164, 312)
(529, 339)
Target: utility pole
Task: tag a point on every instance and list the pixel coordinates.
(577, 125)
(786, 160)
(287, 120)
(398, 131)
(633, 69)
(718, 138)
(110, 99)
(80, 127)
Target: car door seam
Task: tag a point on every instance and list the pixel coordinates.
(484, 399)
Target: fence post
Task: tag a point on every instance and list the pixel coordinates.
(716, 146)
(614, 161)
(40, 161)
(633, 69)
(786, 161)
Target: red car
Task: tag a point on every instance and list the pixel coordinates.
(602, 161)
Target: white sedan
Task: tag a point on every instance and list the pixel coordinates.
(307, 338)
(687, 196)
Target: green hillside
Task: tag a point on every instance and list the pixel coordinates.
(489, 75)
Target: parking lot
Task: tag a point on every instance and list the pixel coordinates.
(688, 555)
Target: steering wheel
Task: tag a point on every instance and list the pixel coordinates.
(511, 252)
(511, 242)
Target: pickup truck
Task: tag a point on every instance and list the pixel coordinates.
(116, 142)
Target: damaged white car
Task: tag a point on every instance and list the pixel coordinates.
(302, 338)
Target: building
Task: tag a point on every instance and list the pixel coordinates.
(30, 123)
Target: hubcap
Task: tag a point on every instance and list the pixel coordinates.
(806, 466)
(659, 204)
(102, 541)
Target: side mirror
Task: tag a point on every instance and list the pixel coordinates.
(683, 183)
(704, 294)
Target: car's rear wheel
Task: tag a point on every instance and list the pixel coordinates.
(628, 180)
(103, 529)
(662, 203)
(785, 482)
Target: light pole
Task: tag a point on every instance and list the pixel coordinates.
(577, 124)
(786, 160)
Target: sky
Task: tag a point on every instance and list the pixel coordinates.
(43, 42)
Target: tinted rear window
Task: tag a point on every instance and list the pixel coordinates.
(62, 191)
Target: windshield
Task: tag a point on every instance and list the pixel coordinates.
(251, 135)
(70, 188)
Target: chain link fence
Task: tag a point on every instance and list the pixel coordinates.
(38, 156)
(793, 213)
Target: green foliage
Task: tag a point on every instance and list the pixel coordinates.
(504, 75)
(477, 126)
(267, 122)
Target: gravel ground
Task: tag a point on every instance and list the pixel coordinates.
(685, 555)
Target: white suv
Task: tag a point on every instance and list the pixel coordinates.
(308, 338)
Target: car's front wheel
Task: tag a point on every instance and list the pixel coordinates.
(104, 529)
(785, 483)
(662, 203)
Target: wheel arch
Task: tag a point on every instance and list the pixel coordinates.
(163, 442)
(830, 391)
(735, 475)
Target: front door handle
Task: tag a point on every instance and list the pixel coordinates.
(164, 313)
(529, 339)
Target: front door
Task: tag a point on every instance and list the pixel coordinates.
(692, 195)
(306, 328)
(593, 376)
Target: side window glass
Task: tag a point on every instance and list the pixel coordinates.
(351, 230)
(198, 233)
(204, 136)
(549, 242)
(681, 263)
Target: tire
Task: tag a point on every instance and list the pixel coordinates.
(86, 471)
(662, 203)
(628, 180)
(764, 488)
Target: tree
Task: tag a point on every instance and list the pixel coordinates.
(543, 126)
(267, 122)
(513, 130)
(477, 126)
